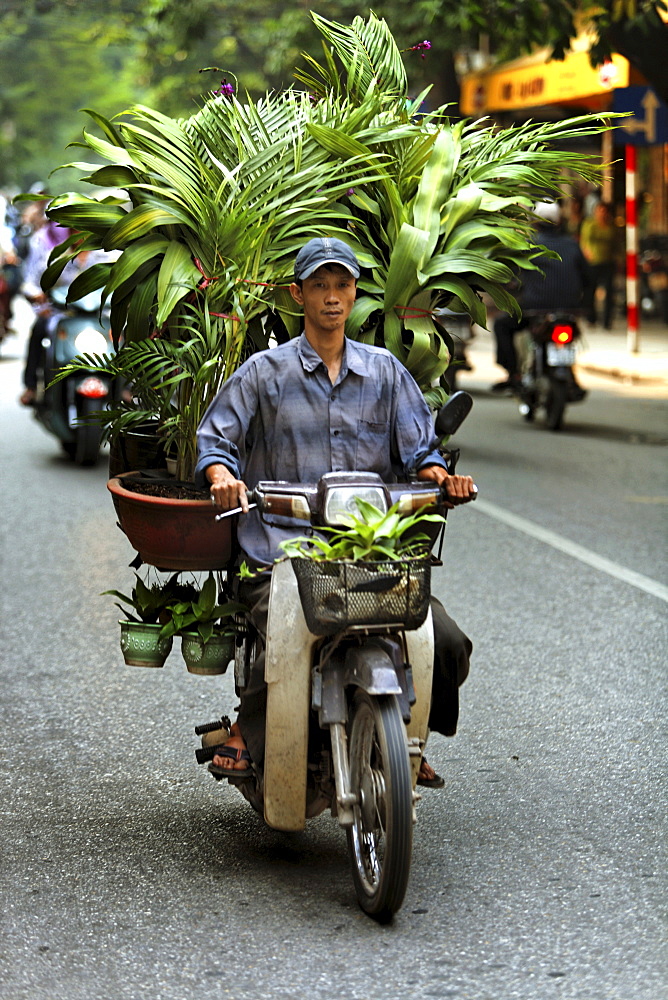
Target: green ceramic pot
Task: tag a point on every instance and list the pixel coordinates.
(211, 657)
(142, 646)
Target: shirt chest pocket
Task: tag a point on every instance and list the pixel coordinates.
(373, 447)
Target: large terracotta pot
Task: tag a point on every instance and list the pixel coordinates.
(172, 534)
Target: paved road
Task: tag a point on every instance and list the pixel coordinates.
(538, 873)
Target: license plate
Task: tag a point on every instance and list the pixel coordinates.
(558, 356)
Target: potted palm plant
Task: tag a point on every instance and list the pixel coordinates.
(217, 204)
(448, 222)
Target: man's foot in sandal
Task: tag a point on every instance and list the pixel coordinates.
(427, 776)
(232, 760)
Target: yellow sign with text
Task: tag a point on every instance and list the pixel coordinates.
(535, 81)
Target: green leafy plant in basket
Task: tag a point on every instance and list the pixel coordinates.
(374, 570)
(371, 537)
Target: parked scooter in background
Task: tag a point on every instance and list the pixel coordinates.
(65, 408)
(548, 382)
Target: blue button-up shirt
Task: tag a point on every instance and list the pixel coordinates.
(280, 417)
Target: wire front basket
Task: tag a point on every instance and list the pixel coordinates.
(336, 595)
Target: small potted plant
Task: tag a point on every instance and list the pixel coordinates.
(143, 640)
(207, 629)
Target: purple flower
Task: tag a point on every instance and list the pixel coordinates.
(226, 89)
(421, 47)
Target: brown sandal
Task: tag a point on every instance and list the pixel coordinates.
(436, 782)
(231, 753)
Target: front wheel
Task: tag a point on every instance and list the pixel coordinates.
(381, 837)
(87, 443)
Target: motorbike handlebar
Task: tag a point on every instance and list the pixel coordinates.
(259, 497)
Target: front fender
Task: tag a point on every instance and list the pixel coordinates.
(287, 671)
(371, 668)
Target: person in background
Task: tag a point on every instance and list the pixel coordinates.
(574, 217)
(598, 237)
(9, 271)
(560, 285)
(590, 200)
(42, 242)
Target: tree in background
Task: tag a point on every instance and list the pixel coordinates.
(268, 37)
(48, 69)
(56, 57)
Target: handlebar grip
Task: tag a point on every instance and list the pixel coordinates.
(446, 495)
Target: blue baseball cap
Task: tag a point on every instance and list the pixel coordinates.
(325, 250)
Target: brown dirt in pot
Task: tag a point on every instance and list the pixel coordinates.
(169, 489)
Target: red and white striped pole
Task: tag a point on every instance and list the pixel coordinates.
(632, 291)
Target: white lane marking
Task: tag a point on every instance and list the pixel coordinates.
(572, 549)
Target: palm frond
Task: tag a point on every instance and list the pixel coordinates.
(369, 55)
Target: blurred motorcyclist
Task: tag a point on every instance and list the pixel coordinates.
(560, 286)
(42, 242)
(9, 270)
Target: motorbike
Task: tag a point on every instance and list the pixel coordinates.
(548, 382)
(65, 408)
(348, 665)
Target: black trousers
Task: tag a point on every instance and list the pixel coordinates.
(505, 328)
(39, 331)
(452, 652)
(603, 276)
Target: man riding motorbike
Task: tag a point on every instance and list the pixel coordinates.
(317, 404)
(560, 285)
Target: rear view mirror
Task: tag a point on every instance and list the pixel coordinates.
(451, 416)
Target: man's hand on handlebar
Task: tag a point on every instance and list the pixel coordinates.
(459, 489)
(226, 491)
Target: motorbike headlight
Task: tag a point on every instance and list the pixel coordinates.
(90, 341)
(342, 501)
